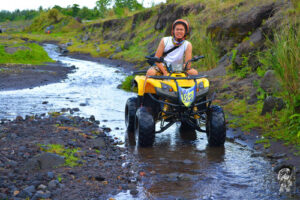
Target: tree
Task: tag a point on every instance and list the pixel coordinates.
(130, 4)
(102, 6)
(53, 15)
(75, 10)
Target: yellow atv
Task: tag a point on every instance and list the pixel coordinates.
(178, 97)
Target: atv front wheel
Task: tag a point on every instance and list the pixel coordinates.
(215, 126)
(130, 110)
(144, 127)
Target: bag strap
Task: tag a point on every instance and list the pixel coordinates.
(170, 50)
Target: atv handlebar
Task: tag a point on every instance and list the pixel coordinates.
(179, 78)
(162, 60)
(196, 58)
(155, 59)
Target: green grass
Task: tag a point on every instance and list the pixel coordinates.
(70, 159)
(126, 84)
(34, 54)
(273, 124)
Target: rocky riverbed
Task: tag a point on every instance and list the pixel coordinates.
(62, 156)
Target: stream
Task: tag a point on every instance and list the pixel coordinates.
(180, 168)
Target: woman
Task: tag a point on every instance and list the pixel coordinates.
(180, 29)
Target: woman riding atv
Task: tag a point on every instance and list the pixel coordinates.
(179, 46)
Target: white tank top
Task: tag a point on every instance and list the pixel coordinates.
(177, 55)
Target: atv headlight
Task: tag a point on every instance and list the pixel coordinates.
(201, 85)
(166, 87)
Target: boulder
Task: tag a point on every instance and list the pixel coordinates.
(270, 83)
(63, 49)
(168, 14)
(252, 98)
(98, 143)
(272, 103)
(127, 44)
(44, 161)
(49, 29)
(85, 38)
(123, 36)
(12, 50)
(229, 31)
(141, 16)
(118, 49)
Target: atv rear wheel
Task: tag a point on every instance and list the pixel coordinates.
(130, 110)
(144, 127)
(215, 126)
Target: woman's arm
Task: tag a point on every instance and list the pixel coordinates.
(159, 53)
(188, 54)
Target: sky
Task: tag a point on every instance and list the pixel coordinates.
(12, 5)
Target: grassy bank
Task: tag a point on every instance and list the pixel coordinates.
(13, 50)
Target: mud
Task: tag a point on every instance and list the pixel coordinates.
(20, 76)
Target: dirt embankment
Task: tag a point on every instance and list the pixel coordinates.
(31, 166)
(20, 76)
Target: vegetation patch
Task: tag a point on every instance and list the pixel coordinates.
(274, 125)
(127, 83)
(70, 159)
(28, 53)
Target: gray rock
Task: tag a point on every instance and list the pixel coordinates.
(42, 187)
(134, 192)
(53, 184)
(127, 44)
(229, 31)
(252, 98)
(63, 49)
(64, 119)
(44, 161)
(118, 49)
(12, 163)
(41, 195)
(270, 82)
(272, 103)
(3, 196)
(30, 189)
(24, 194)
(69, 44)
(92, 118)
(85, 38)
(12, 50)
(75, 109)
(50, 175)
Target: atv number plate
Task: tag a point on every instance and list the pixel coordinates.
(187, 96)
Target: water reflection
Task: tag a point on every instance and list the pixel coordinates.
(181, 165)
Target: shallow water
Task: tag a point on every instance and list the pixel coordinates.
(179, 168)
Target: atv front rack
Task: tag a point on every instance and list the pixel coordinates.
(209, 101)
(191, 77)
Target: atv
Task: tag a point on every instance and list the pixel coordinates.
(178, 97)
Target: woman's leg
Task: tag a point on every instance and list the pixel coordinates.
(192, 72)
(151, 72)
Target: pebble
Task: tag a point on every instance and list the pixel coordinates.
(50, 175)
(53, 184)
(42, 187)
(134, 192)
(30, 189)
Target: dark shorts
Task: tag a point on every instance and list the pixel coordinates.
(158, 71)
